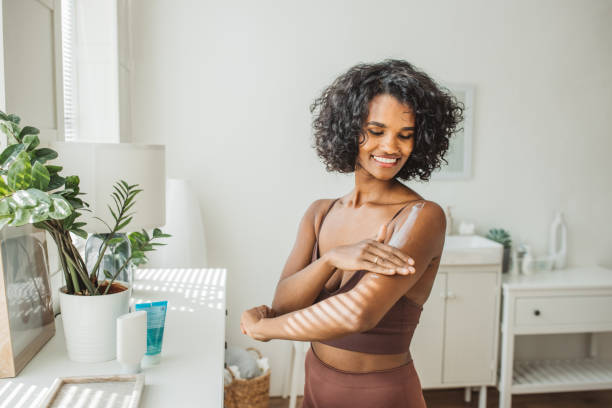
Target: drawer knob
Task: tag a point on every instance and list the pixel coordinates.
(536, 312)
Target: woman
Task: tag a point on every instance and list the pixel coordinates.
(344, 288)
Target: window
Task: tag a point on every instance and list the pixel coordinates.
(69, 46)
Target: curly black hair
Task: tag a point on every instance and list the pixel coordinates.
(342, 109)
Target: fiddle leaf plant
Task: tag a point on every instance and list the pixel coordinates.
(34, 192)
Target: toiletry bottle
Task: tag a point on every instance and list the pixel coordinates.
(449, 220)
(557, 241)
(514, 267)
(131, 341)
(520, 252)
(527, 266)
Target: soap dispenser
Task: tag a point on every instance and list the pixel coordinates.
(449, 220)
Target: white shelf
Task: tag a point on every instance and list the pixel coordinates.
(540, 376)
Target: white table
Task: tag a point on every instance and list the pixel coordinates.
(574, 300)
(191, 370)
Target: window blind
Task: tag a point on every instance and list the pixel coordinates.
(69, 47)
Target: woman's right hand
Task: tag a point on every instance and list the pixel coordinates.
(371, 255)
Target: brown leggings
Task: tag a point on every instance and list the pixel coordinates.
(329, 387)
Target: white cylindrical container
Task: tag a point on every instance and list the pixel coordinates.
(557, 241)
(186, 248)
(527, 267)
(514, 269)
(90, 324)
(449, 220)
(131, 340)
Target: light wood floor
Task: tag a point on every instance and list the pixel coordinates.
(454, 399)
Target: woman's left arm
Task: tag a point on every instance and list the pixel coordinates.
(362, 307)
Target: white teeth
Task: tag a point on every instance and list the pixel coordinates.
(384, 160)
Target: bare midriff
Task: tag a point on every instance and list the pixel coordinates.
(358, 362)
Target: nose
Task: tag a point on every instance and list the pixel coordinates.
(389, 144)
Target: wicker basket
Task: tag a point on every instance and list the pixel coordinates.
(251, 393)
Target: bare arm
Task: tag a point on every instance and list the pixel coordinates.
(301, 281)
(362, 307)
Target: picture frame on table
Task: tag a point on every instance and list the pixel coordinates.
(26, 311)
(109, 391)
(459, 155)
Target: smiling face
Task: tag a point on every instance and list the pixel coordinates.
(388, 137)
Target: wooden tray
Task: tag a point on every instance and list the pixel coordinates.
(100, 391)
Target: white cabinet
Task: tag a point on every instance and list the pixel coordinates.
(428, 342)
(572, 300)
(455, 343)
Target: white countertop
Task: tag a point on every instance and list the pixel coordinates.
(583, 277)
(191, 370)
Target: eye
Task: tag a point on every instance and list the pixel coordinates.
(406, 136)
(375, 133)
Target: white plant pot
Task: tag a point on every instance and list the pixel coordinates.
(90, 326)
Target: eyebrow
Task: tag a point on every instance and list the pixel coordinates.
(382, 125)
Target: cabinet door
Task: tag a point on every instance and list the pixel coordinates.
(470, 331)
(426, 346)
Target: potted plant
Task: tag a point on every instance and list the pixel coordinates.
(34, 192)
(501, 236)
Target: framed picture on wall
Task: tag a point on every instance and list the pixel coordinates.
(459, 155)
(26, 312)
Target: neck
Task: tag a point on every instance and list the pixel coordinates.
(370, 190)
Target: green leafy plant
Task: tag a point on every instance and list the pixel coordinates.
(501, 236)
(33, 192)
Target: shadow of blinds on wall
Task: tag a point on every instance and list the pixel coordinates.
(69, 74)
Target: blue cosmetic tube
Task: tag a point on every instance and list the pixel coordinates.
(156, 318)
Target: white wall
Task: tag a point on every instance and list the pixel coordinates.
(227, 87)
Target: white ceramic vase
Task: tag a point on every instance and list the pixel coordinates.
(186, 248)
(90, 324)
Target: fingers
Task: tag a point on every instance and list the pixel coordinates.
(376, 268)
(382, 258)
(405, 259)
(382, 233)
(387, 258)
(387, 267)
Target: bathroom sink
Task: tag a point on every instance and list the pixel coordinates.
(471, 250)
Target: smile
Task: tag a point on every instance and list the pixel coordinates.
(384, 162)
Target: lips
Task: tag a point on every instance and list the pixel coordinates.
(385, 161)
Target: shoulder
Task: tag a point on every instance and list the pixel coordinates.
(426, 210)
(319, 206)
(423, 217)
(433, 210)
(316, 209)
(432, 214)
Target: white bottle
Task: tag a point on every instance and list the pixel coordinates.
(527, 267)
(449, 220)
(557, 241)
(131, 340)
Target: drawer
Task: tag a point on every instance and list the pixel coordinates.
(563, 310)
